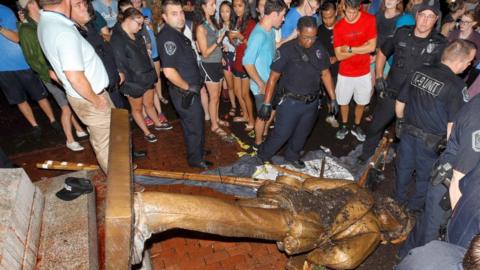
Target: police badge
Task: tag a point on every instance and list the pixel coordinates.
(319, 54)
(431, 47)
(476, 141)
(170, 47)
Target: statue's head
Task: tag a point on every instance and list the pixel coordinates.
(394, 220)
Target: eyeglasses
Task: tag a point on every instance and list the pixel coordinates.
(428, 17)
(310, 6)
(138, 22)
(465, 22)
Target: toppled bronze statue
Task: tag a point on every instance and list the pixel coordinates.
(327, 222)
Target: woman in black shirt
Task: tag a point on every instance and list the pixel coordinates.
(137, 74)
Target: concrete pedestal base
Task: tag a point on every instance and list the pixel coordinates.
(69, 232)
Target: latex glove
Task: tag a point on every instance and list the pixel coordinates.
(265, 111)
(334, 107)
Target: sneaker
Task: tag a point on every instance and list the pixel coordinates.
(81, 134)
(342, 132)
(37, 132)
(150, 138)
(162, 118)
(332, 121)
(358, 133)
(164, 126)
(75, 146)
(298, 164)
(148, 121)
(56, 126)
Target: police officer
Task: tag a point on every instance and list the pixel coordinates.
(459, 158)
(299, 63)
(425, 109)
(411, 47)
(179, 64)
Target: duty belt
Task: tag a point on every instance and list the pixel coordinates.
(304, 98)
(431, 140)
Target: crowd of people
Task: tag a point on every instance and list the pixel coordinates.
(407, 61)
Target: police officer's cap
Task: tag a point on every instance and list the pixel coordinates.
(433, 5)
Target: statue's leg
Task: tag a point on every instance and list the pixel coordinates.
(349, 248)
(163, 211)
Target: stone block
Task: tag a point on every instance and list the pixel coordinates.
(69, 232)
(21, 207)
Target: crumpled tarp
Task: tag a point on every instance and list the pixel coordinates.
(345, 167)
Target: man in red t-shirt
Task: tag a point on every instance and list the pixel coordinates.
(354, 38)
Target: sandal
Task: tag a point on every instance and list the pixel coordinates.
(249, 128)
(239, 119)
(223, 123)
(163, 100)
(232, 111)
(220, 132)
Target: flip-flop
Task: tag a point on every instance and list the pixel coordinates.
(238, 119)
(232, 111)
(220, 132)
(223, 123)
(249, 128)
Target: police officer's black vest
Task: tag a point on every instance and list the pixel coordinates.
(411, 53)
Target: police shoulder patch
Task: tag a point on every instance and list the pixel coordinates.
(277, 55)
(170, 47)
(476, 141)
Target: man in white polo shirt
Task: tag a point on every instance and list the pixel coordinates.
(79, 69)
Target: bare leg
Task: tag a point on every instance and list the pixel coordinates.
(77, 125)
(66, 120)
(359, 113)
(344, 110)
(214, 94)
(136, 105)
(27, 112)
(47, 109)
(237, 90)
(248, 101)
(156, 100)
(259, 128)
(204, 101)
(158, 85)
(268, 123)
(149, 107)
(231, 94)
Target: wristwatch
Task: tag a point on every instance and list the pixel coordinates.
(350, 49)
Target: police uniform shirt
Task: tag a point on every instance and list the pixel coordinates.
(465, 221)
(463, 148)
(433, 95)
(300, 67)
(175, 51)
(411, 52)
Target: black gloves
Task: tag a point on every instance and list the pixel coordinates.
(399, 127)
(381, 87)
(334, 107)
(188, 95)
(265, 111)
(195, 89)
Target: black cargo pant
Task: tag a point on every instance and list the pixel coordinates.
(383, 115)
